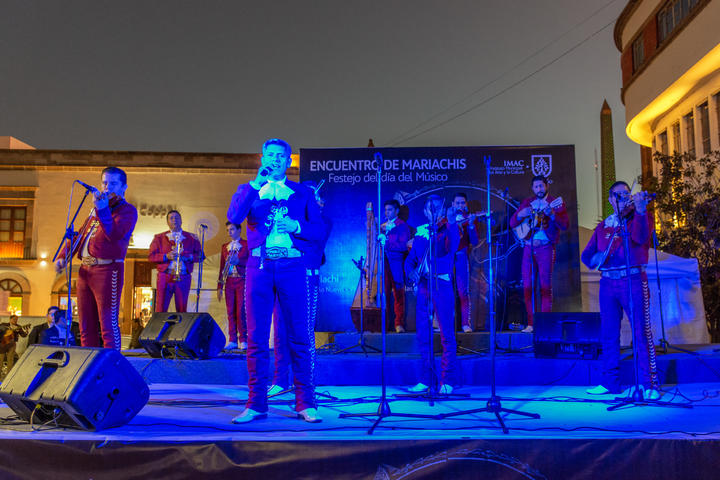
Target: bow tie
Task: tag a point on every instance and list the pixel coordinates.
(275, 191)
(175, 236)
(423, 231)
(612, 221)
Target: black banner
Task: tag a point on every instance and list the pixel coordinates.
(410, 175)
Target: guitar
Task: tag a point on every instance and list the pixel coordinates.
(523, 231)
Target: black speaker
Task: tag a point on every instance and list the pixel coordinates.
(76, 387)
(567, 335)
(182, 335)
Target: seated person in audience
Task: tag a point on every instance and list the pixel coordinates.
(34, 336)
(55, 335)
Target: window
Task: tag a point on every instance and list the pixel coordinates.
(673, 15)
(690, 132)
(63, 297)
(677, 147)
(663, 142)
(638, 53)
(704, 115)
(15, 291)
(12, 232)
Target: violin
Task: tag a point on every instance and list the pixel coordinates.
(630, 202)
(113, 201)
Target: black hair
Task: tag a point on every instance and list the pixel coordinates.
(394, 203)
(619, 182)
(538, 178)
(52, 308)
(237, 225)
(171, 212)
(460, 194)
(116, 171)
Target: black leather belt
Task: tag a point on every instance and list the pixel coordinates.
(616, 274)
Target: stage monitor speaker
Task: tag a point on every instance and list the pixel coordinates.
(182, 335)
(567, 335)
(76, 387)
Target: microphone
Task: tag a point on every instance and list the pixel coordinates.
(379, 158)
(264, 171)
(87, 187)
(203, 226)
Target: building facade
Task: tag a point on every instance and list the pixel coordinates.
(35, 190)
(670, 61)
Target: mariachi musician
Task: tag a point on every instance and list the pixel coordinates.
(233, 258)
(606, 252)
(539, 218)
(468, 226)
(174, 252)
(433, 252)
(9, 334)
(102, 245)
(394, 236)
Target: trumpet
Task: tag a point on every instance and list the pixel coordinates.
(229, 264)
(177, 250)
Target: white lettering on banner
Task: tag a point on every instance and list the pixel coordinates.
(388, 164)
(430, 177)
(351, 179)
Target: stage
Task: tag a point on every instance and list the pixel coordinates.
(185, 430)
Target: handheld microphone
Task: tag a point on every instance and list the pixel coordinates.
(203, 226)
(87, 187)
(264, 171)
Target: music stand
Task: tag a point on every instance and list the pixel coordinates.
(361, 338)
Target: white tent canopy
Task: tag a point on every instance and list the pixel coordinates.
(683, 310)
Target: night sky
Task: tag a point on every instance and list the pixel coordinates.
(222, 76)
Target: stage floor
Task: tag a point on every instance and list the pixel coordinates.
(188, 413)
(185, 432)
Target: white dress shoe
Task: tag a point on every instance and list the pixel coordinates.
(231, 346)
(652, 394)
(243, 346)
(445, 389)
(310, 415)
(528, 329)
(399, 329)
(599, 390)
(420, 387)
(467, 329)
(275, 389)
(248, 415)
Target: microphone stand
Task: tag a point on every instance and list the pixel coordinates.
(637, 396)
(432, 392)
(70, 236)
(383, 410)
(493, 405)
(200, 267)
(361, 341)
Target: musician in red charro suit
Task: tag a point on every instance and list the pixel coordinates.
(539, 251)
(233, 258)
(606, 252)
(174, 278)
(394, 234)
(418, 265)
(102, 246)
(468, 238)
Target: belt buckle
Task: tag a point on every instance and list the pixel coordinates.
(273, 253)
(89, 261)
